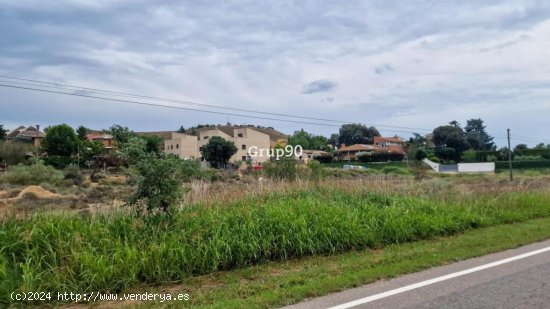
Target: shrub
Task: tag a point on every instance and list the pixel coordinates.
(324, 158)
(420, 154)
(58, 162)
(523, 164)
(32, 175)
(380, 156)
(12, 153)
(395, 170)
(315, 169)
(285, 168)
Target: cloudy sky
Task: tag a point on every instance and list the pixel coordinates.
(415, 64)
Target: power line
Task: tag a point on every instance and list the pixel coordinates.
(116, 93)
(181, 108)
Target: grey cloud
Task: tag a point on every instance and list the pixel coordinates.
(381, 69)
(322, 85)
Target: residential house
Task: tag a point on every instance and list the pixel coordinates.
(183, 145)
(105, 139)
(308, 155)
(26, 134)
(390, 143)
(346, 153)
(244, 137)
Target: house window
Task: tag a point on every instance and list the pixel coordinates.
(243, 158)
(243, 147)
(240, 135)
(206, 137)
(177, 146)
(171, 147)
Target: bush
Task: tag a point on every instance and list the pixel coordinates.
(420, 154)
(72, 173)
(283, 169)
(12, 153)
(523, 164)
(324, 158)
(315, 169)
(32, 175)
(380, 156)
(395, 170)
(58, 162)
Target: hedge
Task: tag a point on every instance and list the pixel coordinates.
(523, 164)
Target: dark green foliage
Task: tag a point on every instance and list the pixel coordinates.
(61, 140)
(58, 162)
(477, 136)
(523, 164)
(308, 141)
(324, 158)
(81, 132)
(121, 134)
(356, 133)
(520, 147)
(450, 137)
(420, 154)
(159, 183)
(418, 140)
(153, 144)
(3, 132)
(447, 154)
(218, 151)
(380, 156)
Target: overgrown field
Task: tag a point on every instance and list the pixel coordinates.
(112, 252)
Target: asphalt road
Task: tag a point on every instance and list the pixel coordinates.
(517, 278)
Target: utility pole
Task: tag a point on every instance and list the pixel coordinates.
(510, 156)
(37, 141)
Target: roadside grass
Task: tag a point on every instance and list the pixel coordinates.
(282, 283)
(115, 252)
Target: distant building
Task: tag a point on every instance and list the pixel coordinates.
(244, 137)
(26, 134)
(390, 143)
(105, 139)
(346, 153)
(308, 155)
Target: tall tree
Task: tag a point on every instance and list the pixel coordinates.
(301, 138)
(450, 137)
(218, 151)
(418, 140)
(82, 131)
(3, 132)
(181, 129)
(356, 133)
(477, 136)
(61, 140)
(121, 134)
(455, 124)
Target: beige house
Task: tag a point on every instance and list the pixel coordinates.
(183, 145)
(244, 137)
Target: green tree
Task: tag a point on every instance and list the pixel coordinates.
(134, 150)
(540, 146)
(121, 134)
(356, 133)
(521, 147)
(3, 132)
(61, 140)
(450, 137)
(301, 138)
(418, 140)
(477, 136)
(82, 131)
(159, 183)
(153, 144)
(218, 151)
(181, 129)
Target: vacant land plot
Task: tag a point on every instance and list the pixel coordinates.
(224, 226)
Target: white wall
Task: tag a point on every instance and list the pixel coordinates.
(432, 164)
(488, 167)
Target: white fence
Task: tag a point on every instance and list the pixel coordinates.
(485, 167)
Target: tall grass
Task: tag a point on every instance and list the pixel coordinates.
(114, 252)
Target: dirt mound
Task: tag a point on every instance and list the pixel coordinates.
(36, 191)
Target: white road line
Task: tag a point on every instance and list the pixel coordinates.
(436, 280)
